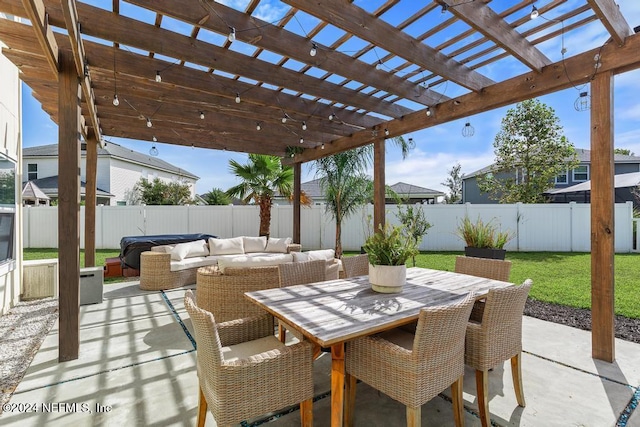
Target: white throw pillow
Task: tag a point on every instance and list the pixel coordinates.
(259, 261)
(189, 250)
(226, 246)
(254, 244)
(327, 254)
(300, 256)
(279, 245)
(165, 249)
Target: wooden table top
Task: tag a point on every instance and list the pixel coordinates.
(340, 310)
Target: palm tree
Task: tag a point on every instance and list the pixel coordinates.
(345, 183)
(261, 177)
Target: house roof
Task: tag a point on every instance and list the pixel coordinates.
(584, 157)
(49, 186)
(116, 151)
(31, 191)
(622, 180)
(404, 189)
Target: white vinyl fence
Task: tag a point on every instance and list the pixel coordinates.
(543, 227)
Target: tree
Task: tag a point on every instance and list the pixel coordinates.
(216, 196)
(530, 152)
(415, 222)
(454, 184)
(157, 192)
(261, 177)
(623, 151)
(345, 183)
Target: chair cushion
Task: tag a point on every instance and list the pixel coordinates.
(399, 337)
(278, 245)
(247, 349)
(195, 262)
(327, 254)
(231, 246)
(265, 260)
(254, 244)
(197, 248)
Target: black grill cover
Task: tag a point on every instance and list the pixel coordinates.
(132, 246)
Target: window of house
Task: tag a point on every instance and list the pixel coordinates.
(8, 191)
(581, 173)
(32, 169)
(562, 178)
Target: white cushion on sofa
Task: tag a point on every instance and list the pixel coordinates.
(254, 261)
(165, 249)
(226, 246)
(278, 245)
(327, 254)
(189, 250)
(254, 244)
(195, 262)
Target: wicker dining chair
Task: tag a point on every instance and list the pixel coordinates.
(299, 273)
(496, 339)
(242, 380)
(483, 267)
(413, 368)
(357, 265)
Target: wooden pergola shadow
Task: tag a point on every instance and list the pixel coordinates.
(203, 74)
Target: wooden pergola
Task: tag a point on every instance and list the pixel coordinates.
(319, 78)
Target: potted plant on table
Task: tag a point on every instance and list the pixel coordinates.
(388, 251)
(483, 239)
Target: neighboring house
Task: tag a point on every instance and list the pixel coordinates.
(407, 192)
(32, 195)
(10, 189)
(582, 173)
(119, 169)
(626, 189)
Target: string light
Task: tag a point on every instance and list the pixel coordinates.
(258, 127)
(468, 130)
(153, 151)
(322, 146)
(284, 118)
(201, 115)
(332, 116)
(116, 101)
(232, 34)
(237, 98)
(301, 140)
(154, 138)
(149, 124)
(534, 12)
(379, 65)
(445, 7)
(583, 103)
(314, 49)
(158, 77)
(428, 111)
(304, 125)
(386, 132)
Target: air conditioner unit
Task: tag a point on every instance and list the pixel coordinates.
(39, 278)
(91, 282)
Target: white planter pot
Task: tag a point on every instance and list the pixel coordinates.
(387, 278)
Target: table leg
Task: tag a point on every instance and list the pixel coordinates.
(337, 384)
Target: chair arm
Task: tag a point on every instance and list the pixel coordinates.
(294, 247)
(248, 329)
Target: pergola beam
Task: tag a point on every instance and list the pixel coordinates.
(609, 13)
(362, 24)
(484, 20)
(39, 18)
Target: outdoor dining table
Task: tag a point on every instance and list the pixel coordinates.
(331, 313)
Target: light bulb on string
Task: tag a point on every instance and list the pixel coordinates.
(386, 132)
(534, 12)
(237, 98)
(201, 115)
(301, 140)
(428, 111)
(322, 146)
(258, 127)
(583, 102)
(158, 77)
(116, 101)
(468, 130)
(149, 124)
(304, 125)
(154, 138)
(153, 151)
(284, 118)
(445, 7)
(332, 116)
(314, 49)
(232, 34)
(379, 65)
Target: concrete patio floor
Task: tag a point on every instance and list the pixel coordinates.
(137, 368)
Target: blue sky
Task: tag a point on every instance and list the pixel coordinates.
(438, 148)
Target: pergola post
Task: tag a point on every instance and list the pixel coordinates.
(90, 202)
(68, 207)
(378, 183)
(297, 172)
(602, 219)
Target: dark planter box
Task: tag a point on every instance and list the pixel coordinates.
(485, 252)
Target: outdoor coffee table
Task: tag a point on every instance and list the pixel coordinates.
(331, 313)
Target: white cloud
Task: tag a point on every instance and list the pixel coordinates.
(629, 140)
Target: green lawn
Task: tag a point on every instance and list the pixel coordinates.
(562, 278)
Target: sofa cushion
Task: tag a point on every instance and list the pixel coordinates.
(254, 261)
(277, 245)
(327, 254)
(254, 244)
(226, 246)
(189, 250)
(195, 262)
(165, 249)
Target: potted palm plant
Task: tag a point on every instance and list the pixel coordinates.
(388, 251)
(483, 239)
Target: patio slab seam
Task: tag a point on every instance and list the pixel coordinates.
(624, 417)
(178, 319)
